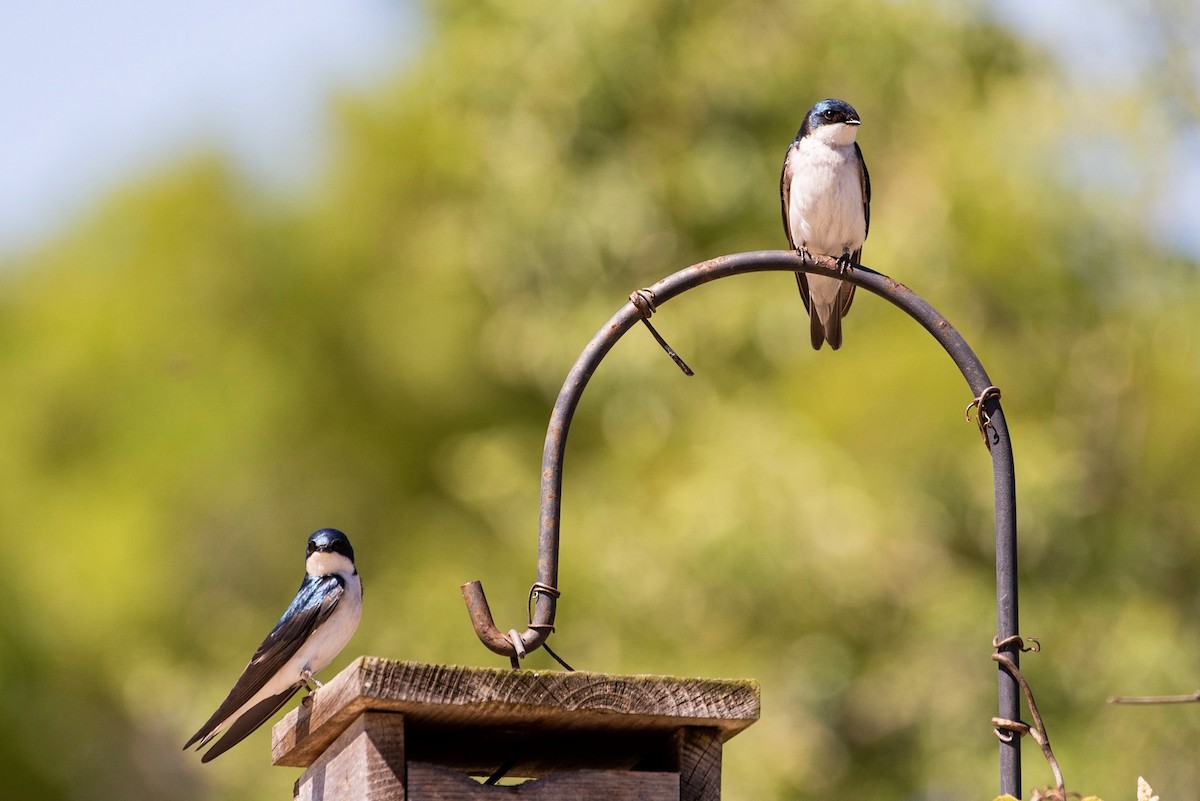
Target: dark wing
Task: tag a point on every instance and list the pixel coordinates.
(314, 602)
(785, 199)
(244, 726)
(802, 282)
(785, 193)
(865, 178)
(846, 294)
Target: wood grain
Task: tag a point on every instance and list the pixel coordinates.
(365, 763)
(449, 698)
(699, 764)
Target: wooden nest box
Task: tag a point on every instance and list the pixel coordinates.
(402, 731)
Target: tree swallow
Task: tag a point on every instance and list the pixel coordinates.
(826, 195)
(312, 632)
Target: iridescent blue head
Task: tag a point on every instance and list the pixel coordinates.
(828, 112)
(330, 540)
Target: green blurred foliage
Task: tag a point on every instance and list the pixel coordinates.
(198, 377)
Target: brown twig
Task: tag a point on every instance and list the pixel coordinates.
(1155, 699)
(1038, 730)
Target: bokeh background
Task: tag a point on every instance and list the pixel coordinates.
(339, 280)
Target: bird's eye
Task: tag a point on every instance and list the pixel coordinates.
(828, 114)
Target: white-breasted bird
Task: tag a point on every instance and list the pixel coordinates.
(825, 191)
(315, 628)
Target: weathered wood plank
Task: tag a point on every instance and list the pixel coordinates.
(699, 764)
(365, 763)
(435, 783)
(449, 696)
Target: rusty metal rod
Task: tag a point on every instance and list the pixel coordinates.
(542, 622)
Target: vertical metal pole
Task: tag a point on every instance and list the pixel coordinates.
(1004, 476)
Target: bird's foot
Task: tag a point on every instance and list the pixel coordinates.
(310, 680)
(844, 263)
(804, 254)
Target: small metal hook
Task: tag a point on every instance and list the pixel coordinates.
(539, 587)
(1034, 646)
(1008, 730)
(982, 418)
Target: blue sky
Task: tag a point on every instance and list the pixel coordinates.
(93, 93)
(1119, 47)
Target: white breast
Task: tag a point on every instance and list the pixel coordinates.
(825, 210)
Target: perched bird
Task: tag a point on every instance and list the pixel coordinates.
(312, 632)
(826, 196)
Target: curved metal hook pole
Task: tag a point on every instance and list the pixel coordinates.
(544, 595)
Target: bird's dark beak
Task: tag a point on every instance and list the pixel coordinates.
(853, 122)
